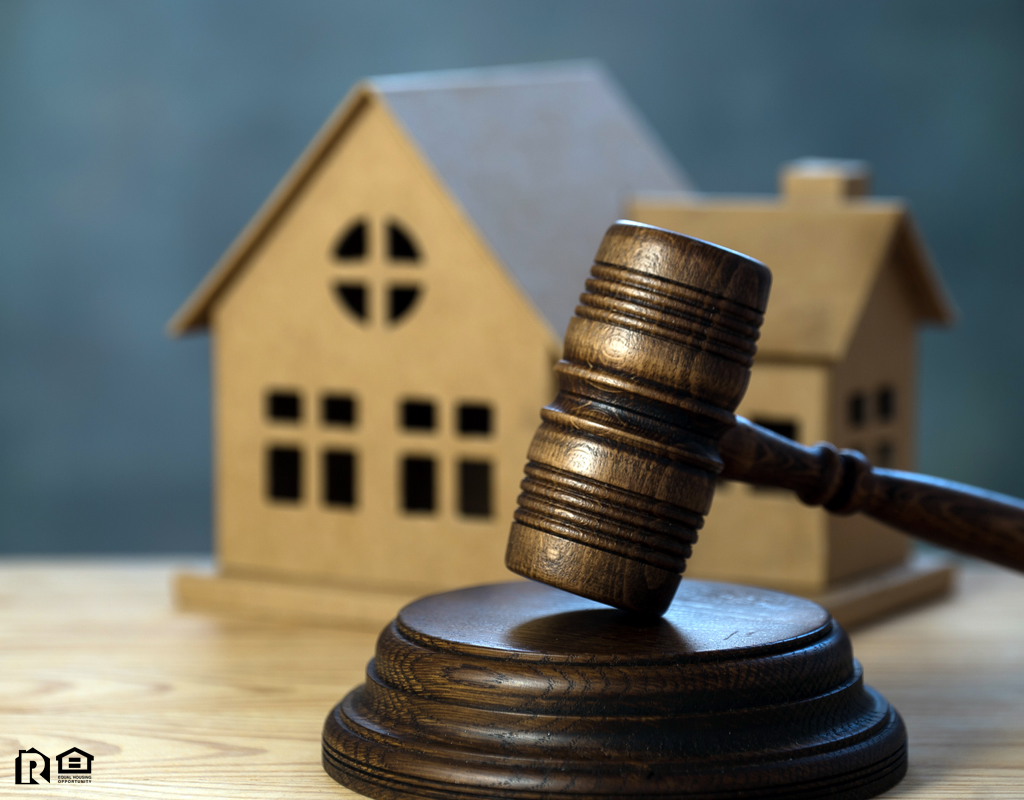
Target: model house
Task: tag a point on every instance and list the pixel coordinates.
(837, 361)
(383, 331)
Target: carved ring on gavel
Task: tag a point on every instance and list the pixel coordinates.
(622, 469)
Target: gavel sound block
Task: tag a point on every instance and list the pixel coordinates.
(524, 691)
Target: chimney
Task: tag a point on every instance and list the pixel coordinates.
(820, 181)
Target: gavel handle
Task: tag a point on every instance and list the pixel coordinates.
(953, 515)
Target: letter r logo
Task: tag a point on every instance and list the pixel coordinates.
(29, 764)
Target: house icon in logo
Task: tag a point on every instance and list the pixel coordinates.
(31, 764)
(74, 762)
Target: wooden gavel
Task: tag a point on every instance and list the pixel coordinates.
(623, 467)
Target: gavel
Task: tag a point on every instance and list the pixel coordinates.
(622, 469)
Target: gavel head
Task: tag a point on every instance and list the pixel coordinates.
(622, 469)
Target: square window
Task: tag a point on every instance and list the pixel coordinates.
(418, 484)
(474, 418)
(418, 415)
(284, 406)
(856, 410)
(284, 473)
(339, 478)
(886, 403)
(475, 488)
(338, 410)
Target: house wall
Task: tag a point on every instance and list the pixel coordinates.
(882, 358)
(771, 538)
(764, 536)
(471, 336)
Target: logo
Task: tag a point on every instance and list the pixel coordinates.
(29, 764)
(73, 766)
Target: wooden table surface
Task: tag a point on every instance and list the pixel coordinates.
(180, 705)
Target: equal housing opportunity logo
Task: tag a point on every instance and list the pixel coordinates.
(73, 766)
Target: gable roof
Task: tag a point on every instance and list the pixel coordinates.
(78, 750)
(824, 256)
(542, 159)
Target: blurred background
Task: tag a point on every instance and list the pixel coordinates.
(137, 138)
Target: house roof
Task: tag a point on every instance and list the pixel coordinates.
(825, 246)
(542, 159)
(78, 750)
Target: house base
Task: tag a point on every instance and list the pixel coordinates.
(878, 594)
(852, 604)
(292, 602)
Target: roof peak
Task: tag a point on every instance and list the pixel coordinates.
(541, 158)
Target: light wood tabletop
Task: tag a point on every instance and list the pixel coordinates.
(182, 705)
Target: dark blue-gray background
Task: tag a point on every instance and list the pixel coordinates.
(137, 138)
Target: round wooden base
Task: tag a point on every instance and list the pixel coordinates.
(520, 690)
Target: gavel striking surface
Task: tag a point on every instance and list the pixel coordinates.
(520, 690)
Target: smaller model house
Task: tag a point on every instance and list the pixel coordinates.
(837, 361)
(384, 329)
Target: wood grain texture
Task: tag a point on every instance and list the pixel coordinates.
(519, 691)
(172, 705)
(964, 518)
(288, 602)
(853, 602)
(182, 706)
(622, 468)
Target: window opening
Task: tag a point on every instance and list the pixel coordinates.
(402, 299)
(339, 478)
(885, 455)
(353, 242)
(353, 297)
(418, 415)
(393, 301)
(338, 410)
(418, 484)
(284, 476)
(284, 405)
(475, 488)
(400, 244)
(856, 410)
(474, 418)
(886, 403)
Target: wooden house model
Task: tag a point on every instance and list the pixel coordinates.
(837, 361)
(383, 333)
